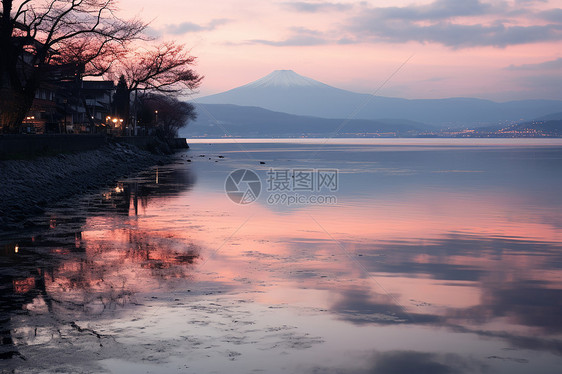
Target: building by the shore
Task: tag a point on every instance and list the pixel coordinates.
(73, 107)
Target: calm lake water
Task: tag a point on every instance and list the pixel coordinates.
(358, 256)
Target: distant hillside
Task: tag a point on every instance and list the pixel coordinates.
(288, 92)
(536, 129)
(216, 120)
(550, 128)
(550, 117)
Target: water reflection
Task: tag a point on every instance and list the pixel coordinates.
(433, 260)
(518, 280)
(440, 245)
(71, 275)
(159, 182)
(406, 362)
(363, 306)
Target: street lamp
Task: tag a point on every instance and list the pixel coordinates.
(65, 101)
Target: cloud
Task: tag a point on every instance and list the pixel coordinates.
(455, 24)
(152, 32)
(187, 27)
(300, 37)
(477, 35)
(438, 10)
(306, 7)
(296, 41)
(552, 15)
(547, 65)
(525, 2)
(437, 24)
(452, 23)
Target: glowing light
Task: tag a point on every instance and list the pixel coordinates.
(115, 120)
(17, 249)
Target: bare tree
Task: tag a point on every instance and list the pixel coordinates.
(165, 68)
(36, 35)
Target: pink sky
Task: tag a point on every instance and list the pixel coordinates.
(493, 49)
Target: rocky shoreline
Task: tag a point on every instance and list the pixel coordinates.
(27, 187)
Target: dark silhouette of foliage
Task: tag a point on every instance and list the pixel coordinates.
(121, 99)
(165, 115)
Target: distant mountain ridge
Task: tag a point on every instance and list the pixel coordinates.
(220, 120)
(550, 117)
(288, 92)
(549, 125)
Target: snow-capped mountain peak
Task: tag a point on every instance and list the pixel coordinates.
(284, 78)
